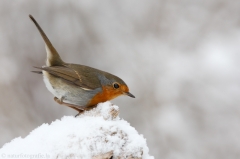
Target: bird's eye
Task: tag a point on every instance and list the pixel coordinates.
(116, 85)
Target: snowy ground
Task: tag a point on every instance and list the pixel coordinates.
(91, 134)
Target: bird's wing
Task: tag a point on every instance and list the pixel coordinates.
(82, 79)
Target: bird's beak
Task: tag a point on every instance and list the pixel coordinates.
(129, 94)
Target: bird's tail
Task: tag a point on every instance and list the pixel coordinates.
(53, 58)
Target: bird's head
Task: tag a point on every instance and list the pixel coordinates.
(115, 86)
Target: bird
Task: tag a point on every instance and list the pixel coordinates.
(77, 86)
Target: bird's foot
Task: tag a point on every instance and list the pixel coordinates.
(59, 101)
(79, 113)
(78, 108)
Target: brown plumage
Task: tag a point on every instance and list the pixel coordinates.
(77, 86)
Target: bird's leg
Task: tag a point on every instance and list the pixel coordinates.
(80, 109)
(76, 107)
(78, 113)
(86, 109)
(59, 101)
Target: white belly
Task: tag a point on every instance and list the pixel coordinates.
(69, 93)
(56, 93)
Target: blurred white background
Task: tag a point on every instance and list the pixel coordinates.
(181, 60)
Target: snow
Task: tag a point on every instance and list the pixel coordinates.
(98, 131)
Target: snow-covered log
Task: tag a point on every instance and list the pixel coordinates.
(96, 134)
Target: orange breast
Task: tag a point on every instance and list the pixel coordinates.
(107, 93)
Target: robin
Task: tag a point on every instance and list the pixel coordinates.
(77, 86)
